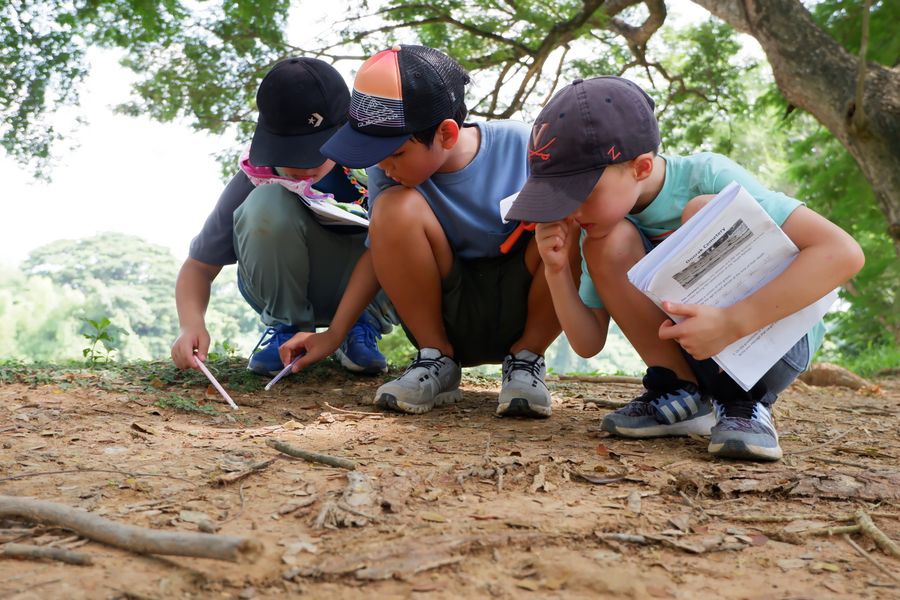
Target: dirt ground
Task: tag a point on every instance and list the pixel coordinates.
(452, 504)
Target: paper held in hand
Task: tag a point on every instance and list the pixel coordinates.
(727, 251)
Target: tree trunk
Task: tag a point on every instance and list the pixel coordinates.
(817, 74)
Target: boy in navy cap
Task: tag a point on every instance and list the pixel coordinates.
(594, 162)
(436, 234)
(292, 268)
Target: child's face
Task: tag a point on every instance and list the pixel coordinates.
(613, 197)
(315, 173)
(413, 163)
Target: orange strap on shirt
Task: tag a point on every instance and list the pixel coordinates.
(510, 241)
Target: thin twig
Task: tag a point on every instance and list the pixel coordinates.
(228, 478)
(325, 459)
(354, 412)
(869, 558)
(841, 529)
(69, 471)
(822, 445)
(887, 545)
(39, 552)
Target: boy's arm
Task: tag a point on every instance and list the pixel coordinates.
(828, 258)
(361, 290)
(192, 290)
(585, 328)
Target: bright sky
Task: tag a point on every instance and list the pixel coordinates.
(130, 175)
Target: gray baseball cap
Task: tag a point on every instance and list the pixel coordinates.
(587, 126)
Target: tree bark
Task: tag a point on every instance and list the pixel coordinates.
(817, 74)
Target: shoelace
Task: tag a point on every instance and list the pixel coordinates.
(264, 341)
(364, 331)
(520, 364)
(432, 364)
(739, 408)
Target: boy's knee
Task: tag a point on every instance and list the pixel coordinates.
(397, 209)
(694, 205)
(270, 212)
(619, 250)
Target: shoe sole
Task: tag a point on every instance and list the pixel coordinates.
(742, 450)
(390, 402)
(519, 407)
(355, 368)
(698, 426)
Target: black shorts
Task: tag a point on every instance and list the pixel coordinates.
(484, 306)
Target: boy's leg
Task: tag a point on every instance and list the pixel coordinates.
(292, 287)
(524, 392)
(673, 404)
(411, 256)
(745, 428)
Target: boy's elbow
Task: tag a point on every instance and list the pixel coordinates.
(855, 259)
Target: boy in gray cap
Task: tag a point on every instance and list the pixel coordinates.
(292, 268)
(594, 162)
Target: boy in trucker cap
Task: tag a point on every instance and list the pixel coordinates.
(436, 183)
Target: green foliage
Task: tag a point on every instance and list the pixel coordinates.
(98, 337)
(873, 362)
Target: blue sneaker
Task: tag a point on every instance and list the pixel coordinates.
(745, 430)
(670, 406)
(265, 360)
(359, 353)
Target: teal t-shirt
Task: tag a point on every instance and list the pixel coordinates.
(686, 178)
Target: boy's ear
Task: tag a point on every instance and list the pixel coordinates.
(447, 134)
(642, 166)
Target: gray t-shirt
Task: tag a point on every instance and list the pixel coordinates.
(214, 245)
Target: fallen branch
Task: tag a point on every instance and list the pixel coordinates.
(866, 556)
(228, 478)
(130, 537)
(27, 551)
(325, 459)
(887, 545)
(799, 517)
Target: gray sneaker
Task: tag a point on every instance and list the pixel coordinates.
(431, 379)
(524, 393)
(670, 406)
(744, 430)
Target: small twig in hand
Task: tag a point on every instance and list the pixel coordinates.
(29, 551)
(887, 545)
(866, 556)
(325, 459)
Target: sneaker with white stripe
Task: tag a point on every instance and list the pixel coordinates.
(745, 430)
(670, 406)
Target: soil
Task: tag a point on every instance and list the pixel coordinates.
(456, 503)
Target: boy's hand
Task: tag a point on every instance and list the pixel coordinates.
(316, 346)
(705, 330)
(553, 242)
(187, 341)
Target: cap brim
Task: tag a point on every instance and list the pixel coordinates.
(297, 151)
(546, 199)
(351, 148)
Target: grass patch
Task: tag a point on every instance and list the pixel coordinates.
(183, 404)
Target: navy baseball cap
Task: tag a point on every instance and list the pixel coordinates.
(396, 93)
(587, 126)
(301, 102)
